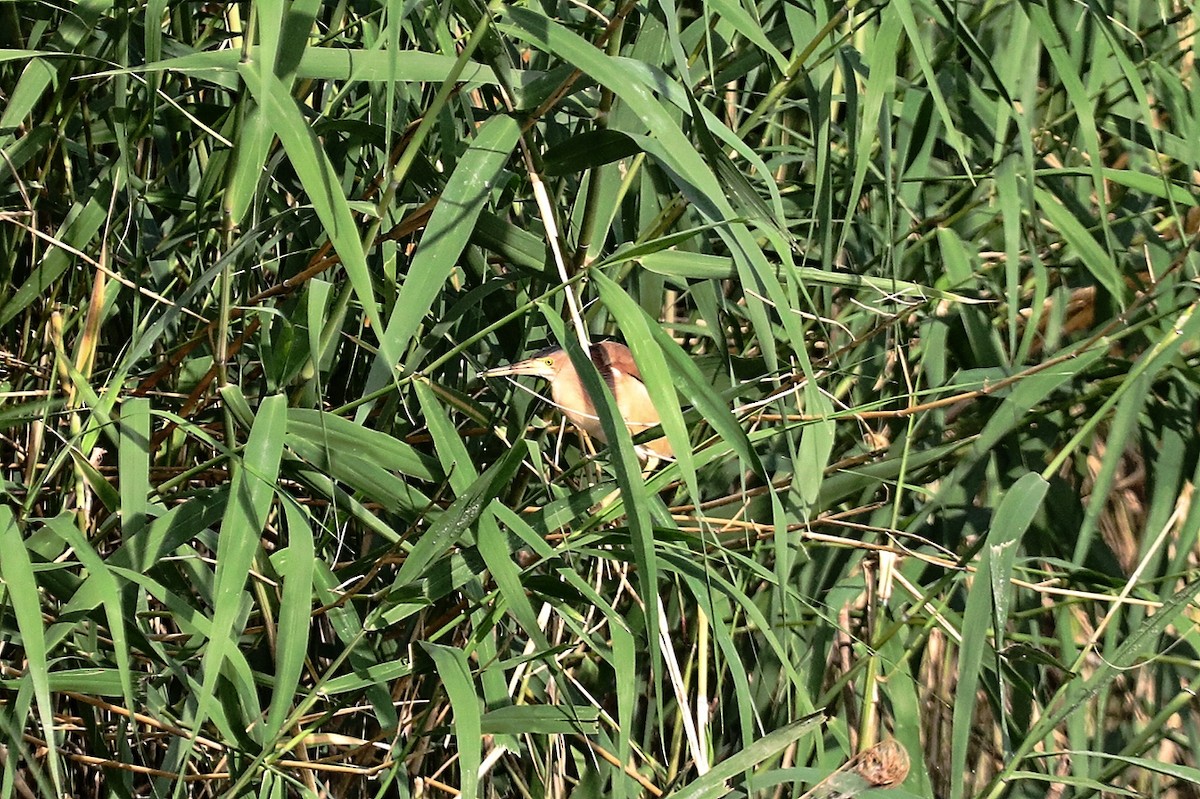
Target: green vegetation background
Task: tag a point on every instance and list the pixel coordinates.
(914, 289)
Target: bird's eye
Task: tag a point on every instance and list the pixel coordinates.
(548, 361)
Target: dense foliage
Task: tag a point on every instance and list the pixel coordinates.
(911, 283)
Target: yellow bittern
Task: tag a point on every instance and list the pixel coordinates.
(615, 364)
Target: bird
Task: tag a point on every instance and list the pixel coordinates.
(616, 366)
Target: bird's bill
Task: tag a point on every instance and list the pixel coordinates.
(533, 366)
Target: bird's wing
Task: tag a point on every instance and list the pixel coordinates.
(609, 355)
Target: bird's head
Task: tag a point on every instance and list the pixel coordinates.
(547, 363)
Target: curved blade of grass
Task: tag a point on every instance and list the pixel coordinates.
(657, 80)
(80, 227)
(250, 149)
(1188, 774)
(1095, 259)
(254, 483)
(704, 266)
(1046, 29)
(703, 573)
(295, 566)
(716, 782)
(916, 41)
(192, 622)
(541, 720)
(881, 85)
(458, 519)
(133, 462)
(321, 183)
(445, 238)
(324, 63)
(1074, 693)
(1123, 425)
(492, 543)
(1020, 504)
(1013, 410)
(94, 681)
(360, 473)
(16, 569)
(105, 585)
(1185, 328)
(340, 435)
(455, 672)
(37, 76)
